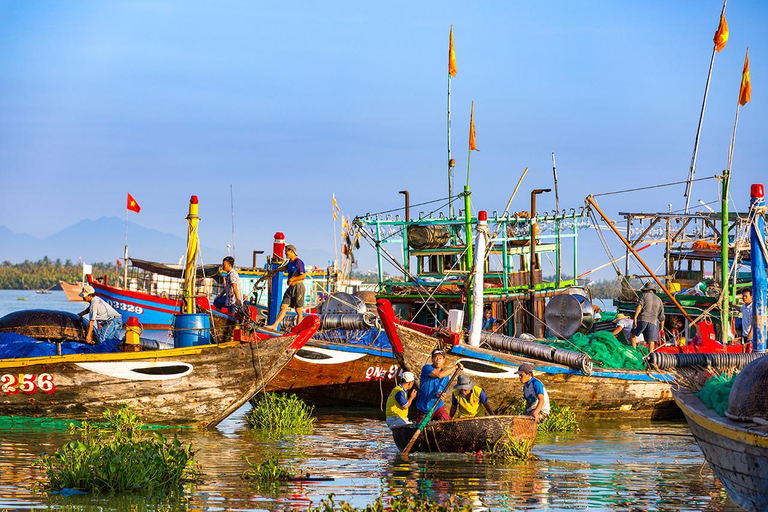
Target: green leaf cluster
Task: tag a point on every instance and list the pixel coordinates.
(560, 419)
(278, 414)
(405, 503)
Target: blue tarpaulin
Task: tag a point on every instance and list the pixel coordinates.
(14, 346)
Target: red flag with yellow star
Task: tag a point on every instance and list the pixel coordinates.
(132, 204)
(721, 35)
(451, 57)
(745, 92)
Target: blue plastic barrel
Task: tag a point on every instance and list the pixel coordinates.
(191, 330)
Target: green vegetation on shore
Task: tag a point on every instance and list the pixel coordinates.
(278, 414)
(45, 273)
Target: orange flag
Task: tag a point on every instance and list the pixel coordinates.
(745, 93)
(335, 208)
(132, 204)
(721, 35)
(472, 145)
(451, 57)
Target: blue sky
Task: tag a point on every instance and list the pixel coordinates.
(293, 101)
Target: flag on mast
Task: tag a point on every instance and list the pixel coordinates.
(745, 92)
(721, 35)
(451, 57)
(472, 145)
(132, 204)
(335, 209)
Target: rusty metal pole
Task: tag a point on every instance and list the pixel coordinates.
(590, 200)
(532, 262)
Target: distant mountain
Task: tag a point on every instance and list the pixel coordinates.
(99, 240)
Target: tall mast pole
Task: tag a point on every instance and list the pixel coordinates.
(557, 223)
(125, 254)
(451, 161)
(692, 169)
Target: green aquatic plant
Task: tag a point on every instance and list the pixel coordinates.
(560, 419)
(510, 450)
(405, 503)
(268, 475)
(118, 457)
(279, 414)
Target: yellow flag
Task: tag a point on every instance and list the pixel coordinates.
(745, 93)
(451, 57)
(721, 35)
(472, 145)
(335, 209)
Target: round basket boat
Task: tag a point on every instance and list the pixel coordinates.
(466, 434)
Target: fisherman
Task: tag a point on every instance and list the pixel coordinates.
(536, 397)
(488, 320)
(747, 313)
(434, 379)
(294, 295)
(400, 399)
(104, 321)
(230, 296)
(649, 317)
(624, 326)
(467, 399)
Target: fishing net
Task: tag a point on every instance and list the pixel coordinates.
(715, 393)
(608, 316)
(605, 349)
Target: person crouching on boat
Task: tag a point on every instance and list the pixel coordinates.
(108, 319)
(434, 379)
(400, 399)
(467, 399)
(536, 397)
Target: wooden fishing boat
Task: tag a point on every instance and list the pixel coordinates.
(72, 291)
(737, 451)
(599, 393)
(198, 386)
(467, 435)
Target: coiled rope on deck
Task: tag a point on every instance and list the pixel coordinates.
(574, 360)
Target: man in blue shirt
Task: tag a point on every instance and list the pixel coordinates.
(434, 379)
(536, 397)
(488, 320)
(294, 295)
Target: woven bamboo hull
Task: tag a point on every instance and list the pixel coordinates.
(197, 386)
(467, 435)
(737, 452)
(605, 394)
(328, 374)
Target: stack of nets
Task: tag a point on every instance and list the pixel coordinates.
(606, 350)
(715, 393)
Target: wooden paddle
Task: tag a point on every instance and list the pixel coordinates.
(428, 416)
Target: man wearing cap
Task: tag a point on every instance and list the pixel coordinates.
(108, 319)
(294, 295)
(536, 397)
(467, 399)
(434, 378)
(649, 317)
(400, 399)
(231, 294)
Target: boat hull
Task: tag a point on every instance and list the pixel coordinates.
(737, 452)
(197, 386)
(466, 435)
(609, 394)
(72, 291)
(328, 374)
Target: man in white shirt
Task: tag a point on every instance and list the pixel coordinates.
(747, 313)
(104, 321)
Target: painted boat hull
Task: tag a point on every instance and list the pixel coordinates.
(198, 386)
(328, 374)
(72, 291)
(609, 394)
(155, 313)
(736, 451)
(467, 435)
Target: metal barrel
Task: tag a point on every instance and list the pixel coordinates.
(657, 360)
(539, 351)
(348, 321)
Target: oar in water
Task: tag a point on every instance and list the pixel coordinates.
(428, 416)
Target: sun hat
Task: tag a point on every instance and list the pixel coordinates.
(291, 247)
(408, 377)
(87, 290)
(648, 287)
(621, 316)
(438, 351)
(525, 368)
(464, 382)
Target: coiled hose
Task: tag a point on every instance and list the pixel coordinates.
(569, 358)
(660, 361)
(348, 321)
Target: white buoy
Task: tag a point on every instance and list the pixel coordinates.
(478, 277)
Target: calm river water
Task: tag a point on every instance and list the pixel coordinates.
(606, 466)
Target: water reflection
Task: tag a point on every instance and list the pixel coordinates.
(606, 466)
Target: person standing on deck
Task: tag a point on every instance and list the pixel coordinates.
(536, 397)
(294, 295)
(108, 319)
(400, 399)
(747, 313)
(231, 294)
(649, 317)
(467, 399)
(434, 378)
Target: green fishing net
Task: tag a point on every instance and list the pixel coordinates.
(605, 349)
(715, 393)
(608, 316)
